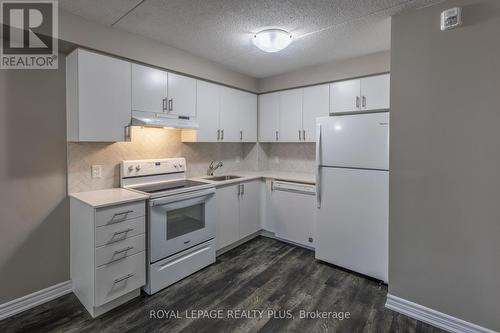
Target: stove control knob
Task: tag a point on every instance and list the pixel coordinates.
(176, 166)
(138, 167)
(130, 168)
(181, 166)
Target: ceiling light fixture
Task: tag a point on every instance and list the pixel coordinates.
(272, 40)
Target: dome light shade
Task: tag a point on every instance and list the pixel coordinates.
(272, 40)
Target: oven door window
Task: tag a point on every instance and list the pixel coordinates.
(185, 220)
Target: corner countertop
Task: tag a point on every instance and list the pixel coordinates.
(109, 197)
(301, 177)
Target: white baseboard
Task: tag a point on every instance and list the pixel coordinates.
(30, 301)
(433, 317)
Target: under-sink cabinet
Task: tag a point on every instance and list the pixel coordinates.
(238, 212)
(108, 253)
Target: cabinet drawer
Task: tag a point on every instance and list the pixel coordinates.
(119, 213)
(118, 232)
(118, 251)
(118, 278)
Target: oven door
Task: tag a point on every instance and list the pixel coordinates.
(180, 221)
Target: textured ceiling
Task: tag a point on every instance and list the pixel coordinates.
(221, 30)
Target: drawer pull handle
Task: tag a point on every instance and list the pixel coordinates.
(121, 216)
(124, 250)
(126, 277)
(122, 232)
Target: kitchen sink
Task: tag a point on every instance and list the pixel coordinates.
(222, 178)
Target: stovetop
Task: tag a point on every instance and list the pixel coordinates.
(168, 186)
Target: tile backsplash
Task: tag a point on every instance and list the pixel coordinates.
(165, 143)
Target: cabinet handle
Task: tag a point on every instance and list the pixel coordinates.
(218, 134)
(122, 215)
(363, 103)
(239, 189)
(122, 232)
(164, 104)
(170, 104)
(126, 277)
(242, 189)
(300, 135)
(241, 135)
(277, 138)
(304, 135)
(222, 135)
(357, 102)
(124, 250)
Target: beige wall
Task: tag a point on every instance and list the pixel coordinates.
(360, 66)
(34, 216)
(82, 32)
(445, 162)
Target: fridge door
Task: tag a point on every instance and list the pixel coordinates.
(353, 222)
(355, 141)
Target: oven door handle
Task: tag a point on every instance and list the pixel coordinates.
(180, 197)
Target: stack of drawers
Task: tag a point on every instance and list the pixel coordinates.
(108, 257)
(120, 244)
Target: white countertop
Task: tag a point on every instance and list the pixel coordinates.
(301, 177)
(113, 196)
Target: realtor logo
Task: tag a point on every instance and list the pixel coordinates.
(29, 34)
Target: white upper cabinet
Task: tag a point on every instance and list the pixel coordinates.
(315, 104)
(366, 94)
(269, 117)
(223, 115)
(149, 89)
(290, 116)
(157, 91)
(345, 96)
(375, 92)
(181, 95)
(98, 95)
(229, 119)
(248, 117)
(208, 96)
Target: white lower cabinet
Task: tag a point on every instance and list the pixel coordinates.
(293, 207)
(238, 212)
(108, 258)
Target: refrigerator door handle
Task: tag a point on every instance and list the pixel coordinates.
(318, 165)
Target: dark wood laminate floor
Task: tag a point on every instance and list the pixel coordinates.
(262, 274)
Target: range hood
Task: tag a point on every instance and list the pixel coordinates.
(162, 120)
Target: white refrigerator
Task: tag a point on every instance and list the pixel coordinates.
(352, 157)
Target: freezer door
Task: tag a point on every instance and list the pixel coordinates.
(355, 141)
(353, 222)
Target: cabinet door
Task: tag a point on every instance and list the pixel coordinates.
(181, 95)
(375, 92)
(248, 117)
(268, 117)
(316, 104)
(250, 208)
(227, 224)
(149, 89)
(207, 111)
(294, 216)
(345, 96)
(229, 115)
(290, 128)
(104, 94)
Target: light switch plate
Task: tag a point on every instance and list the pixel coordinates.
(96, 171)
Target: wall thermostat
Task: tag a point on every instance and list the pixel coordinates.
(451, 18)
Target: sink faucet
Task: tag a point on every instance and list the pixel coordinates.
(212, 167)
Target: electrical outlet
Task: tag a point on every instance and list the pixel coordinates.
(96, 171)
